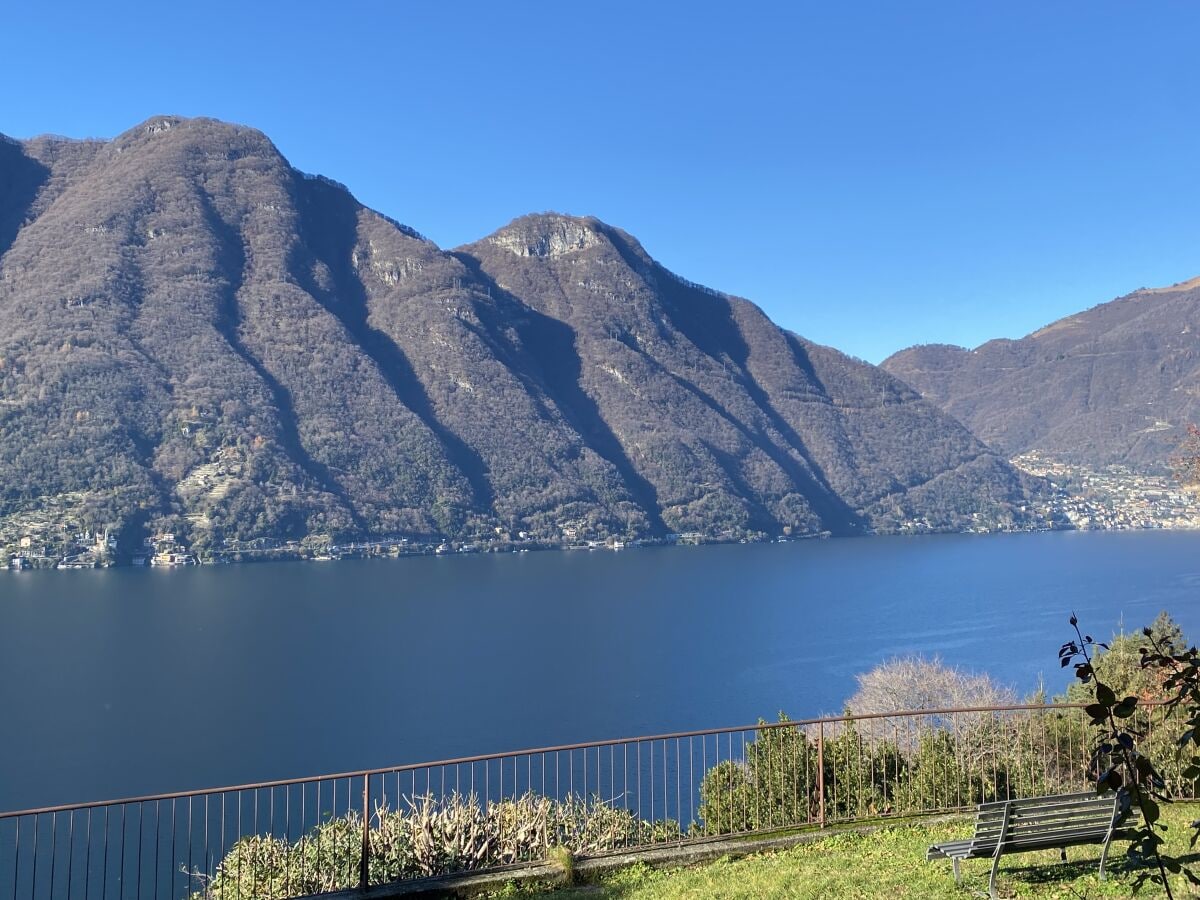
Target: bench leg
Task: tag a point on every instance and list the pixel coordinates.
(992, 881)
(1104, 854)
(957, 873)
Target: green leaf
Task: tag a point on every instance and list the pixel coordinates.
(1096, 711)
(1125, 708)
(1105, 695)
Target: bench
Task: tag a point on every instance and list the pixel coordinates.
(1037, 823)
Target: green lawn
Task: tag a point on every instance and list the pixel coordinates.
(887, 863)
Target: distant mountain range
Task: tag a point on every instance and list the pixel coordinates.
(199, 338)
(1117, 384)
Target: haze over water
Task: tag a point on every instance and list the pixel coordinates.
(123, 682)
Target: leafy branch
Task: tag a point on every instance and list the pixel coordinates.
(1118, 765)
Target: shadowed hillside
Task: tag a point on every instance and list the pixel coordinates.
(200, 338)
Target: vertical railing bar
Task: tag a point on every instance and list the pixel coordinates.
(17, 856)
(349, 844)
(678, 789)
(237, 839)
(206, 862)
(287, 838)
(638, 776)
(34, 861)
(780, 766)
(364, 864)
(650, 766)
(87, 857)
(171, 884)
(121, 869)
(138, 864)
(691, 784)
(666, 785)
(612, 772)
(628, 798)
(728, 781)
(303, 828)
(157, 835)
(70, 854)
(53, 850)
(190, 839)
(821, 771)
(317, 866)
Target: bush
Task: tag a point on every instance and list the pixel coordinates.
(430, 837)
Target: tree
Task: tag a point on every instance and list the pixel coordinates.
(913, 682)
(1118, 662)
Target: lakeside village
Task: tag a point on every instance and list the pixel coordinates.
(48, 544)
(1114, 498)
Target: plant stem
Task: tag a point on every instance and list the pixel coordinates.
(1130, 767)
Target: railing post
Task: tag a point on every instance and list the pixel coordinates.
(821, 772)
(364, 866)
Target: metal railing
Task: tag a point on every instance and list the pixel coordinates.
(303, 836)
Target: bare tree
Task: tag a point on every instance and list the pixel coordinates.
(906, 683)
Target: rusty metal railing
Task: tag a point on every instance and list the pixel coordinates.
(356, 829)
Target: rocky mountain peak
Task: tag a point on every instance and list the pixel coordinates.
(212, 136)
(549, 235)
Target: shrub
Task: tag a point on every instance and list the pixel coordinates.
(430, 837)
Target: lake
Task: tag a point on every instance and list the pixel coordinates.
(122, 682)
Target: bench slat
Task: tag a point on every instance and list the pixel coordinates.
(1045, 810)
(1017, 825)
(1051, 799)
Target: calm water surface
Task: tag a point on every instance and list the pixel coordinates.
(124, 682)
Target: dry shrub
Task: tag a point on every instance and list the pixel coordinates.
(430, 836)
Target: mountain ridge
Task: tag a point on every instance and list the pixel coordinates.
(206, 340)
(1115, 384)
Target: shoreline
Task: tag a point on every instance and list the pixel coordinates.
(359, 551)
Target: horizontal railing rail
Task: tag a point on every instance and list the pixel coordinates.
(666, 736)
(300, 836)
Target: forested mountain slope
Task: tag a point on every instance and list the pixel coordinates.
(1116, 384)
(199, 337)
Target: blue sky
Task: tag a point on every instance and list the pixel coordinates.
(872, 174)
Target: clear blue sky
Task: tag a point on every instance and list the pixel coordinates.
(872, 174)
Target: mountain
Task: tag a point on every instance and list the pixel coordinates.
(198, 337)
(1116, 384)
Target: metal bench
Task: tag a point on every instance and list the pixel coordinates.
(1037, 823)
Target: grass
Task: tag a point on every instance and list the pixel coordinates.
(887, 863)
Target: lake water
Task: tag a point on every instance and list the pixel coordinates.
(125, 682)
